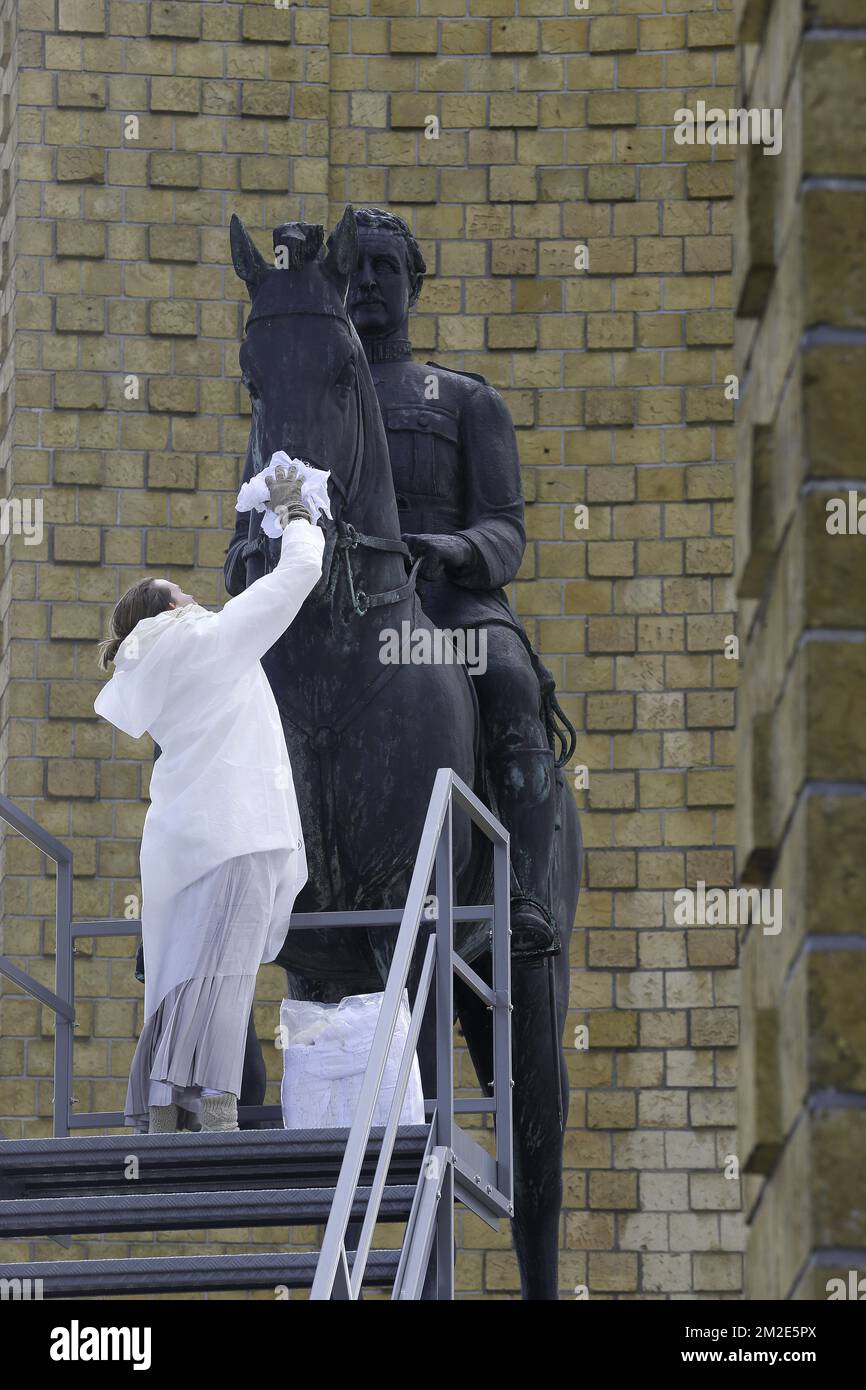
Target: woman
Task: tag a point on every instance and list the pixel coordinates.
(222, 850)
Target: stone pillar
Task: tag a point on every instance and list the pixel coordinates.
(801, 796)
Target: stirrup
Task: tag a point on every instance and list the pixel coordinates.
(534, 933)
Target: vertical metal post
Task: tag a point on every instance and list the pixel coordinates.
(444, 1239)
(63, 1027)
(502, 1018)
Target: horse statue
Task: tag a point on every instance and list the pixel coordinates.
(366, 738)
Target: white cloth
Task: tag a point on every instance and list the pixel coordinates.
(223, 784)
(314, 491)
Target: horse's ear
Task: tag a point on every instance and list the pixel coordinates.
(342, 257)
(250, 265)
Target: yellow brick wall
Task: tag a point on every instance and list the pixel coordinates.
(555, 130)
(801, 796)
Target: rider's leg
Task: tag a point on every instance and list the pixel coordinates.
(521, 765)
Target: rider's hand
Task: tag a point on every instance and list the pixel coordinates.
(442, 553)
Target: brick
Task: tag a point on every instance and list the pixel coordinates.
(612, 35)
(80, 165)
(86, 90)
(263, 24)
(173, 19)
(419, 36)
(81, 17)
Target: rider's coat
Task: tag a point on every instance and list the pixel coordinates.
(456, 472)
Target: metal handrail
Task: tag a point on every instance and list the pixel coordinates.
(61, 1001)
(452, 1149)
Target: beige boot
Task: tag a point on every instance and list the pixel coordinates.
(163, 1119)
(219, 1112)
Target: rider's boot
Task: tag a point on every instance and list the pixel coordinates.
(524, 780)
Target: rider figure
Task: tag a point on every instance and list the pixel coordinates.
(457, 478)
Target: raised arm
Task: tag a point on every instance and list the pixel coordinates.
(250, 624)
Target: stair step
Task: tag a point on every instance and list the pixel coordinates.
(190, 1210)
(186, 1273)
(247, 1159)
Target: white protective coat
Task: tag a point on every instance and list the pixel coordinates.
(223, 783)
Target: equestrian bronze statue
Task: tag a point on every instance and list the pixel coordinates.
(366, 737)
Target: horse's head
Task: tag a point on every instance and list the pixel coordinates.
(301, 360)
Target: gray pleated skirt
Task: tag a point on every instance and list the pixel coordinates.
(196, 1038)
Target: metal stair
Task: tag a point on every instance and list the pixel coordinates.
(51, 1187)
(180, 1273)
(339, 1178)
(285, 1159)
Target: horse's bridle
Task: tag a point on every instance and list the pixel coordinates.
(348, 537)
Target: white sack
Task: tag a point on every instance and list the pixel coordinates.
(325, 1052)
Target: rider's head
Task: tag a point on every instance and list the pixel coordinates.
(389, 274)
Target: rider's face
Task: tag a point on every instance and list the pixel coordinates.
(378, 299)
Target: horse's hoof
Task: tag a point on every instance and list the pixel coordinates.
(534, 935)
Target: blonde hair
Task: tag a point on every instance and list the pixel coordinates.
(143, 600)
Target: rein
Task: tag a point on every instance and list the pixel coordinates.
(349, 539)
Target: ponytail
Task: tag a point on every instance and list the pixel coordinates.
(143, 600)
